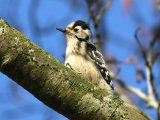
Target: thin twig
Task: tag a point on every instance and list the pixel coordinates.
(149, 76)
(139, 43)
(136, 91)
(155, 38)
(102, 10)
(150, 101)
(155, 57)
(148, 63)
(96, 15)
(158, 111)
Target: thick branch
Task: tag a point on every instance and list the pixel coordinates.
(55, 85)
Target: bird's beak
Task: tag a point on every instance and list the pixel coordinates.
(62, 30)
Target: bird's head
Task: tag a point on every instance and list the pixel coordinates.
(78, 30)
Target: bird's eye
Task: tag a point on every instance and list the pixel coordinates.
(76, 29)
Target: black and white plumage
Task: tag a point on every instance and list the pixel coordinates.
(83, 56)
(98, 59)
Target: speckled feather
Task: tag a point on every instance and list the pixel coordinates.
(97, 57)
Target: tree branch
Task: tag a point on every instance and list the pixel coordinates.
(147, 56)
(55, 85)
(146, 98)
(139, 44)
(96, 11)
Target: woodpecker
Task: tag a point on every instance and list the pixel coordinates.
(83, 57)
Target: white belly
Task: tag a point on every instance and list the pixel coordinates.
(82, 66)
(86, 68)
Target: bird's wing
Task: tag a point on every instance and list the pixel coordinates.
(98, 59)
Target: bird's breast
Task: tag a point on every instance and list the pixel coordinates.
(83, 66)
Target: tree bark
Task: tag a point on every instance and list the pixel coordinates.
(55, 85)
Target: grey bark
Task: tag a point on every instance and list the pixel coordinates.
(55, 85)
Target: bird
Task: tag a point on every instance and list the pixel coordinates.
(83, 57)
